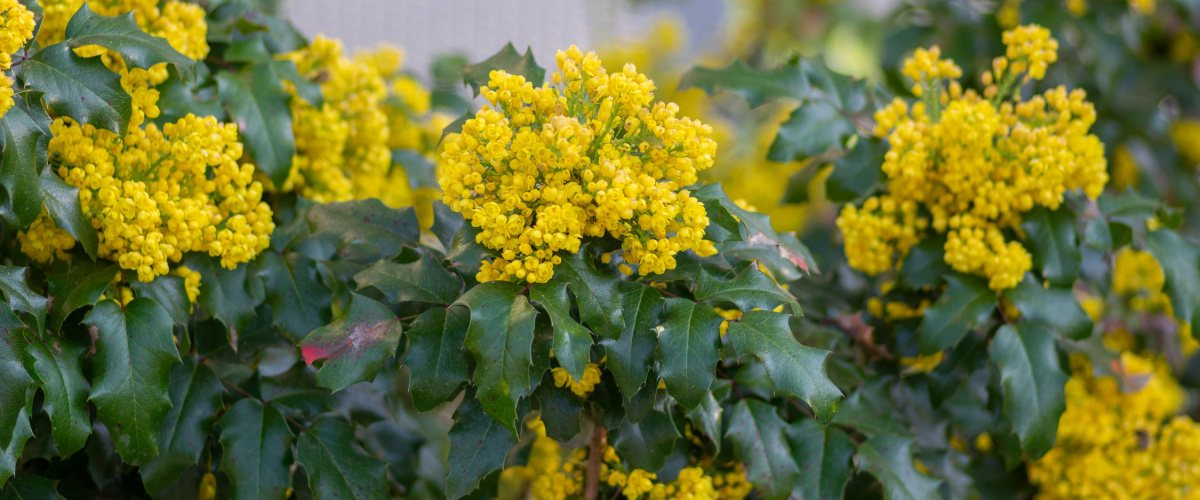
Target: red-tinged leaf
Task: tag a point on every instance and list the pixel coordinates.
(792, 256)
(355, 346)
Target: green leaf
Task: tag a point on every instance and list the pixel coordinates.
(19, 165)
(30, 487)
(572, 342)
(758, 86)
(1053, 307)
(857, 174)
(824, 456)
(16, 393)
(370, 221)
(1033, 383)
(559, 410)
(687, 353)
(421, 172)
(30, 101)
(478, 445)
(1179, 259)
(62, 204)
(177, 99)
(646, 444)
(424, 280)
(229, 294)
(465, 251)
(508, 60)
(258, 104)
(1097, 234)
(1052, 241)
(81, 286)
(749, 289)
(595, 292)
(168, 292)
(83, 89)
(1129, 204)
(793, 367)
(355, 346)
(337, 467)
(925, 264)
(729, 218)
(707, 416)
(249, 49)
(134, 353)
(798, 185)
(297, 297)
(966, 303)
(869, 411)
(890, 460)
(812, 129)
(501, 339)
(256, 444)
(436, 362)
(20, 297)
(54, 363)
(631, 355)
(759, 441)
(195, 400)
(121, 34)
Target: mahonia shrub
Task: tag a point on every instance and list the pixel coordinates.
(222, 243)
(1048, 359)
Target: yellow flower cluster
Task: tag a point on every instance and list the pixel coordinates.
(582, 387)
(1138, 278)
(1009, 14)
(742, 168)
(153, 195)
(1143, 7)
(1115, 439)
(975, 163)
(191, 282)
(546, 476)
(1186, 135)
(541, 168)
(923, 364)
(43, 240)
(342, 146)
(16, 28)
(1124, 171)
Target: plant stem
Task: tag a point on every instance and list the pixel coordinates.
(595, 454)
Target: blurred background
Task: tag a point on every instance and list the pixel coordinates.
(426, 29)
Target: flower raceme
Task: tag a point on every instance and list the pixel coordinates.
(16, 28)
(155, 194)
(541, 168)
(969, 165)
(546, 476)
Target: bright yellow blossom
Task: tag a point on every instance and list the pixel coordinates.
(1186, 135)
(153, 195)
(1115, 439)
(43, 240)
(541, 168)
(1124, 171)
(191, 283)
(975, 164)
(581, 387)
(16, 28)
